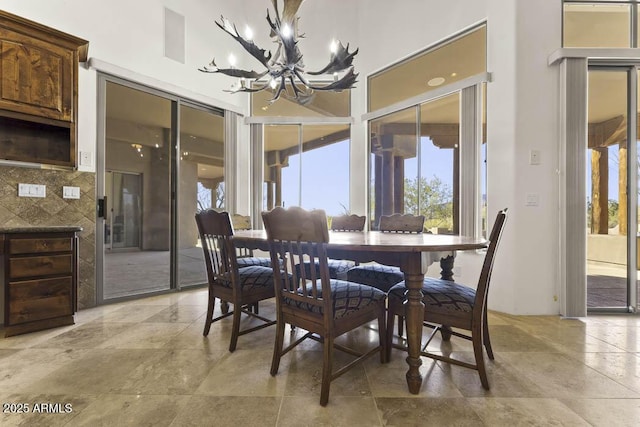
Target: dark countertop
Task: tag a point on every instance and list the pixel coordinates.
(40, 229)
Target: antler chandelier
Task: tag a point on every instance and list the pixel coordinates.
(285, 67)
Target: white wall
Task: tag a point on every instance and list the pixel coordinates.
(522, 98)
(522, 115)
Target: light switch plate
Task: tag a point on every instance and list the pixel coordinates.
(86, 158)
(70, 192)
(534, 157)
(533, 199)
(32, 190)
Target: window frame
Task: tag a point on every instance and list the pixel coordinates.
(633, 19)
(470, 92)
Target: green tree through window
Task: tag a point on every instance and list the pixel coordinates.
(435, 201)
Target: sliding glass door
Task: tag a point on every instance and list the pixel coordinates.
(612, 202)
(200, 184)
(161, 159)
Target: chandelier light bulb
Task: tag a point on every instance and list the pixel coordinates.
(248, 33)
(273, 83)
(286, 31)
(232, 60)
(333, 47)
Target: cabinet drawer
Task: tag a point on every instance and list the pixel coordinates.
(40, 266)
(33, 300)
(30, 246)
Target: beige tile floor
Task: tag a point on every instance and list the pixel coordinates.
(146, 362)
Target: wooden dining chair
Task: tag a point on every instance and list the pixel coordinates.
(338, 268)
(325, 307)
(243, 287)
(454, 305)
(245, 256)
(381, 276)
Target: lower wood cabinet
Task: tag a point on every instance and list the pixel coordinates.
(40, 272)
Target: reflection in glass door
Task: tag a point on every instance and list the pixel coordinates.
(123, 221)
(200, 185)
(137, 243)
(611, 220)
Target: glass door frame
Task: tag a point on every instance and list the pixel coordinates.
(230, 120)
(632, 182)
(102, 80)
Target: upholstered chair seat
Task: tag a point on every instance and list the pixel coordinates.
(380, 276)
(254, 276)
(441, 295)
(254, 261)
(338, 268)
(346, 298)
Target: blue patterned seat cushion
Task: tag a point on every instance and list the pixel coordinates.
(379, 276)
(254, 276)
(347, 298)
(338, 268)
(253, 260)
(441, 295)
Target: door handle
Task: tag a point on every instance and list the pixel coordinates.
(102, 207)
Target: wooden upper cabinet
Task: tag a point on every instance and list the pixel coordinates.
(34, 78)
(38, 91)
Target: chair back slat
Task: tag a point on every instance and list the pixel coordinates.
(348, 223)
(297, 236)
(216, 235)
(487, 266)
(402, 223)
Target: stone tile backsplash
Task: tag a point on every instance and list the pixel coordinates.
(54, 210)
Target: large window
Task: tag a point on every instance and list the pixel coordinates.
(427, 148)
(600, 24)
(461, 57)
(307, 166)
(301, 152)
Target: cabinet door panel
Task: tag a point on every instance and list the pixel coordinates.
(40, 299)
(36, 79)
(40, 266)
(29, 246)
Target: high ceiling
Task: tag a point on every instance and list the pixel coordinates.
(585, 25)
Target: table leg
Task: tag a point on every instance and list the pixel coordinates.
(415, 314)
(446, 273)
